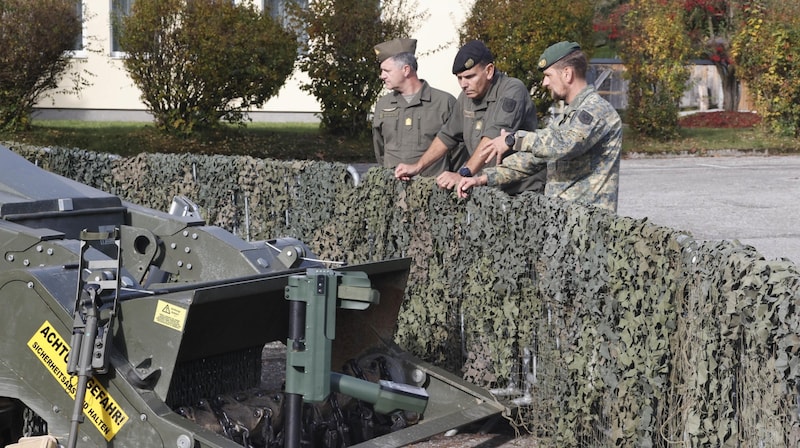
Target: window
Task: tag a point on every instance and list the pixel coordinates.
(79, 47)
(277, 8)
(119, 9)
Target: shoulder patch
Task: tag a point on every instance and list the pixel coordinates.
(585, 117)
(509, 104)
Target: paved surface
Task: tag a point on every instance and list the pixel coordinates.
(752, 199)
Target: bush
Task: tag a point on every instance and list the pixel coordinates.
(767, 51)
(654, 49)
(518, 31)
(203, 61)
(35, 38)
(340, 60)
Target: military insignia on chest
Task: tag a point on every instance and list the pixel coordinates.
(479, 125)
(409, 121)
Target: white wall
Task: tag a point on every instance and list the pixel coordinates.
(112, 94)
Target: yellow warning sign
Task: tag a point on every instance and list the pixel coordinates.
(102, 410)
(170, 315)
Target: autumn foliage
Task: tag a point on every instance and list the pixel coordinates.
(518, 31)
(655, 49)
(767, 51)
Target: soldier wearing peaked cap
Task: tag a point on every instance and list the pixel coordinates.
(408, 118)
(580, 148)
(490, 101)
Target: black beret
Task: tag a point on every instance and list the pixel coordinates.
(394, 47)
(556, 52)
(471, 54)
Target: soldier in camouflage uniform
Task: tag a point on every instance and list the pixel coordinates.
(580, 149)
(408, 118)
(489, 102)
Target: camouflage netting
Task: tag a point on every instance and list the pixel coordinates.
(604, 330)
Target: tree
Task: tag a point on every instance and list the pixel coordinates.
(654, 48)
(202, 61)
(35, 40)
(339, 58)
(711, 25)
(767, 51)
(518, 31)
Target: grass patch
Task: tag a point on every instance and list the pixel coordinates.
(709, 140)
(305, 141)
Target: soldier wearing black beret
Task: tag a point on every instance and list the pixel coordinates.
(407, 119)
(490, 101)
(580, 148)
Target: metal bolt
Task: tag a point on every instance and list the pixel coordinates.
(180, 263)
(50, 251)
(26, 262)
(185, 233)
(187, 249)
(30, 285)
(143, 417)
(173, 245)
(194, 236)
(39, 248)
(189, 266)
(184, 441)
(10, 257)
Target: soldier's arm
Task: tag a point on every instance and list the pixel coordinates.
(377, 144)
(435, 151)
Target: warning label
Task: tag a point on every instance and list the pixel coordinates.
(170, 315)
(101, 409)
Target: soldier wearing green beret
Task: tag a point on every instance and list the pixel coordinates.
(489, 102)
(580, 148)
(408, 118)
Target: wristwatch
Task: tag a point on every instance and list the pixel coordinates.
(511, 140)
(464, 172)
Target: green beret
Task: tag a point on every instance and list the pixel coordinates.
(394, 47)
(556, 52)
(471, 54)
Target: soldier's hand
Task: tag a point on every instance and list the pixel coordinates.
(448, 180)
(495, 149)
(466, 183)
(405, 172)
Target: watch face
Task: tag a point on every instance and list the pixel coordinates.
(464, 172)
(510, 140)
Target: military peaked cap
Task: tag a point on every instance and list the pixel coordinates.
(392, 48)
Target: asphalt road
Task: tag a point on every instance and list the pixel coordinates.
(752, 199)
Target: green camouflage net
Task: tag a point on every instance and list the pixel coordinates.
(596, 330)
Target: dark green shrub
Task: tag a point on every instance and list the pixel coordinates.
(203, 61)
(35, 40)
(339, 58)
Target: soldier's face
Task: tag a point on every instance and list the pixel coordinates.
(476, 81)
(554, 81)
(392, 74)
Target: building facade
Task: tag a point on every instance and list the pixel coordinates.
(112, 96)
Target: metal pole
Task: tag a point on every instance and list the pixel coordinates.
(84, 366)
(294, 402)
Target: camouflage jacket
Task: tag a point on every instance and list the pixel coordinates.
(580, 148)
(402, 131)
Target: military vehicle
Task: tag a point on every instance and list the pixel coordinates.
(124, 326)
